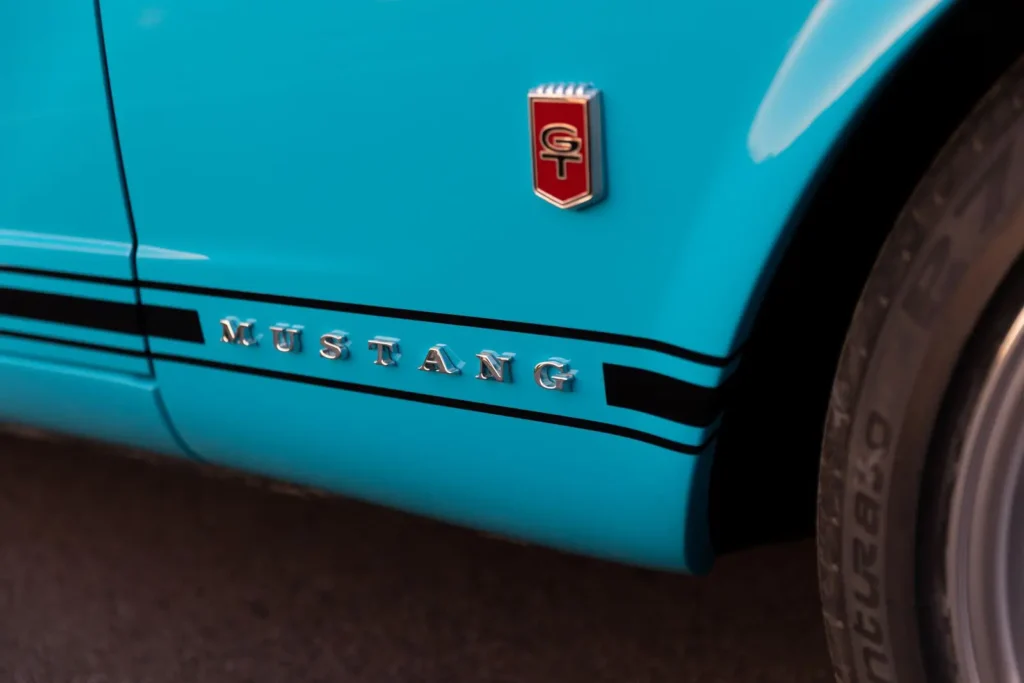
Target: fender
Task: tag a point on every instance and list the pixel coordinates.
(839, 56)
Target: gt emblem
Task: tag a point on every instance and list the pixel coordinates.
(561, 143)
(565, 143)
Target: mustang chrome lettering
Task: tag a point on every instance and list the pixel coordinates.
(565, 144)
(233, 331)
(497, 367)
(334, 345)
(287, 339)
(439, 360)
(554, 375)
(386, 348)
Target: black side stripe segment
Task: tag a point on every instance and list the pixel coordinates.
(99, 314)
(405, 314)
(661, 395)
(172, 323)
(458, 404)
(70, 310)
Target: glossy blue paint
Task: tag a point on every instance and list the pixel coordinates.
(17, 346)
(376, 153)
(62, 209)
(604, 496)
(61, 205)
(84, 402)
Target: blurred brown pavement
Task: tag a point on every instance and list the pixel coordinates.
(119, 570)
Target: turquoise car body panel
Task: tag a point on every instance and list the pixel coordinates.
(84, 402)
(606, 496)
(376, 151)
(61, 204)
(363, 168)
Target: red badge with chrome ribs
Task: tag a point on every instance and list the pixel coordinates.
(565, 141)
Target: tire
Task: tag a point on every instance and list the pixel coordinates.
(899, 485)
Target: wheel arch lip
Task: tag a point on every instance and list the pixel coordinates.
(840, 44)
(838, 60)
(910, 80)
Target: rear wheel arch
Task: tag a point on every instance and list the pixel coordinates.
(768, 449)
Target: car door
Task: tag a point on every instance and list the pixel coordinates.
(66, 281)
(72, 350)
(341, 191)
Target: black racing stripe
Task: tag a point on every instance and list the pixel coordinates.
(79, 311)
(173, 323)
(100, 314)
(661, 395)
(547, 418)
(451, 319)
(73, 343)
(405, 314)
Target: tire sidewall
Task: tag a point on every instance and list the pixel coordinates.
(958, 236)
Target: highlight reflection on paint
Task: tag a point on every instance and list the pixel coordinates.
(820, 64)
(85, 245)
(54, 242)
(150, 252)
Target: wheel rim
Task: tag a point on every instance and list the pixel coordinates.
(985, 558)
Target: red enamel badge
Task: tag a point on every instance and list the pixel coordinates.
(565, 141)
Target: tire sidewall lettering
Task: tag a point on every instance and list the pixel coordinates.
(948, 223)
